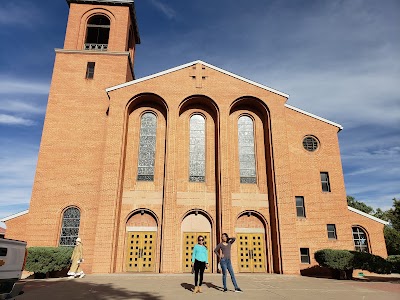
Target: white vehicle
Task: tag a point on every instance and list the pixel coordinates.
(12, 262)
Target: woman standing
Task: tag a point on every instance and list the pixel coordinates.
(225, 260)
(199, 263)
(76, 260)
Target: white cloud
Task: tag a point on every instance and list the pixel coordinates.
(167, 10)
(13, 120)
(23, 13)
(17, 86)
(18, 106)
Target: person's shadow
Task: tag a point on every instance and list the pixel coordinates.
(187, 286)
(211, 285)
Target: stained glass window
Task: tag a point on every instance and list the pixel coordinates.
(247, 159)
(70, 226)
(147, 147)
(360, 240)
(197, 153)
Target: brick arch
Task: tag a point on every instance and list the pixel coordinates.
(142, 218)
(202, 102)
(150, 100)
(251, 219)
(85, 18)
(256, 107)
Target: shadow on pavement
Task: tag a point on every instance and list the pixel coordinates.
(73, 289)
(368, 278)
(187, 286)
(213, 286)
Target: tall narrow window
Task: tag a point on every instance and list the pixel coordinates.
(98, 33)
(70, 226)
(90, 70)
(301, 212)
(305, 255)
(247, 161)
(326, 187)
(360, 240)
(331, 228)
(197, 151)
(147, 147)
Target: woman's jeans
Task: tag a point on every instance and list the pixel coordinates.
(227, 265)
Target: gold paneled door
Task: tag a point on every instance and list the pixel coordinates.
(251, 254)
(189, 240)
(141, 248)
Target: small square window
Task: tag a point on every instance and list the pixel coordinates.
(305, 255)
(90, 70)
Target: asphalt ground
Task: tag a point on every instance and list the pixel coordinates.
(179, 286)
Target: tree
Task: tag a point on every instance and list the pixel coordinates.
(351, 201)
(392, 239)
(394, 214)
(383, 215)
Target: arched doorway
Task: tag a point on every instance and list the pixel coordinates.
(141, 242)
(252, 247)
(194, 225)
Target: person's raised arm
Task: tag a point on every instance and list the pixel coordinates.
(232, 240)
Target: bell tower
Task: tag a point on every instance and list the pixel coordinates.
(98, 53)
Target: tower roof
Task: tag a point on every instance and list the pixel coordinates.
(130, 3)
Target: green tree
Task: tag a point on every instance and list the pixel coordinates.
(383, 215)
(394, 214)
(392, 239)
(351, 201)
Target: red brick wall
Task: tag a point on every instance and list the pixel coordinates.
(89, 152)
(16, 228)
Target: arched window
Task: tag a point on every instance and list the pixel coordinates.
(147, 147)
(247, 161)
(70, 226)
(197, 151)
(360, 239)
(98, 33)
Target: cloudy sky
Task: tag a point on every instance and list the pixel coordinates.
(337, 59)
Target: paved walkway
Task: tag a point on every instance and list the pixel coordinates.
(164, 287)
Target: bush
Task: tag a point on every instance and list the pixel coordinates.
(42, 260)
(395, 261)
(340, 261)
(372, 263)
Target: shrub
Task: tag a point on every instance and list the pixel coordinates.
(370, 262)
(335, 259)
(340, 261)
(395, 261)
(42, 260)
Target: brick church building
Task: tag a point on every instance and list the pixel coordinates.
(139, 167)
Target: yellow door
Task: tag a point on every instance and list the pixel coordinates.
(141, 251)
(251, 254)
(189, 240)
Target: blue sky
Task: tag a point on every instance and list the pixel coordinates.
(337, 59)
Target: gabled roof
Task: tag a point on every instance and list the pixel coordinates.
(191, 64)
(14, 216)
(367, 215)
(116, 87)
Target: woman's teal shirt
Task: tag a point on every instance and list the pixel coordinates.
(200, 253)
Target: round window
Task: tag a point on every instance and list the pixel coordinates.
(310, 143)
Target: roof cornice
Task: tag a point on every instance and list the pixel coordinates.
(130, 3)
(367, 215)
(191, 64)
(15, 216)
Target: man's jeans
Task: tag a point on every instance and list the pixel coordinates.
(226, 264)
